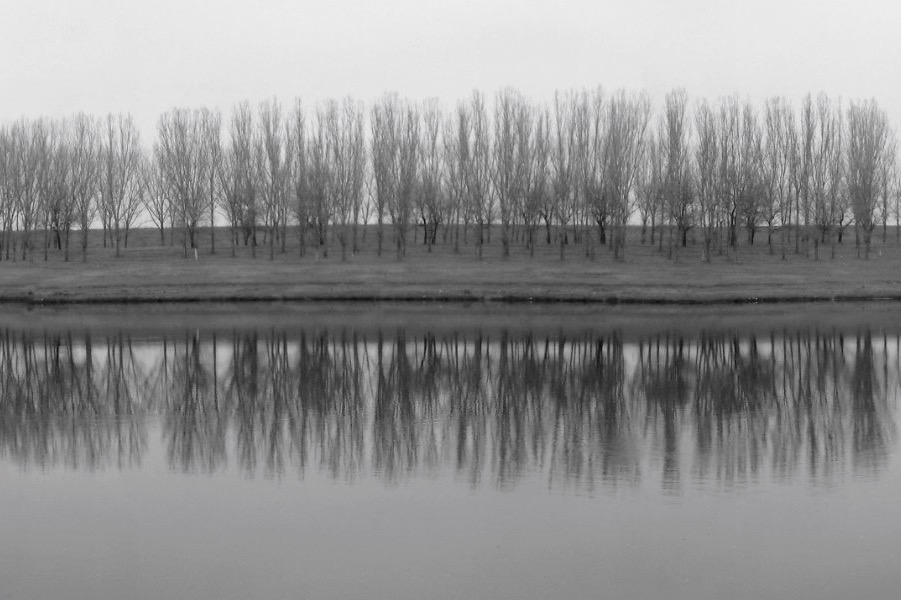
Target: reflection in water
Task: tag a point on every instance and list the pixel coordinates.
(579, 411)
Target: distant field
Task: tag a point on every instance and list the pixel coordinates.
(148, 271)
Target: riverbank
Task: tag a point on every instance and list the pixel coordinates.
(151, 274)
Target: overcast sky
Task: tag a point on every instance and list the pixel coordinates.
(146, 56)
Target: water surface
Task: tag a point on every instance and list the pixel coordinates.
(743, 457)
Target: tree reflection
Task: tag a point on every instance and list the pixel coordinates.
(69, 402)
(575, 412)
(194, 424)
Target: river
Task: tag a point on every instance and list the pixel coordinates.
(472, 452)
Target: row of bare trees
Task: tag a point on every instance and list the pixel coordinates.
(58, 176)
(807, 175)
(575, 172)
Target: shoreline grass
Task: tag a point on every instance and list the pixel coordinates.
(150, 272)
(350, 320)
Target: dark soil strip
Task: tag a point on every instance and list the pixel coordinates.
(54, 300)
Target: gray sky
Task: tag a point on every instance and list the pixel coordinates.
(146, 56)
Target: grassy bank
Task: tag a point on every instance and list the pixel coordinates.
(150, 272)
(551, 321)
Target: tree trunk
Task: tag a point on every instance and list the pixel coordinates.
(479, 240)
(379, 236)
(562, 236)
(84, 243)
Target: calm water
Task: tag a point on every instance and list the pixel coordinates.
(335, 461)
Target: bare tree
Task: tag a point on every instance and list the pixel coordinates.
(649, 189)
(183, 160)
(837, 189)
(562, 162)
(627, 120)
(506, 169)
(272, 163)
(455, 162)
(776, 168)
(7, 188)
(431, 173)
(478, 169)
(788, 217)
(707, 156)
(58, 211)
(27, 149)
(346, 154)
(895, 189)
(238, 179)
(739, 144)
(354, 118)
(212, 149)
(367, 202)
(673, 132)
(300, 174)
(405, 174)
(802, 159)
(338, 157)
(750, 180)
(84, 167)
(868, 137)
(157, 196)
(319, 178)
(887, 176)
(48, 182)
(395, 166)
(533, 157)
(383, 122)
(584, 164)
(825, 151)
(591, 139)
(230, 186)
